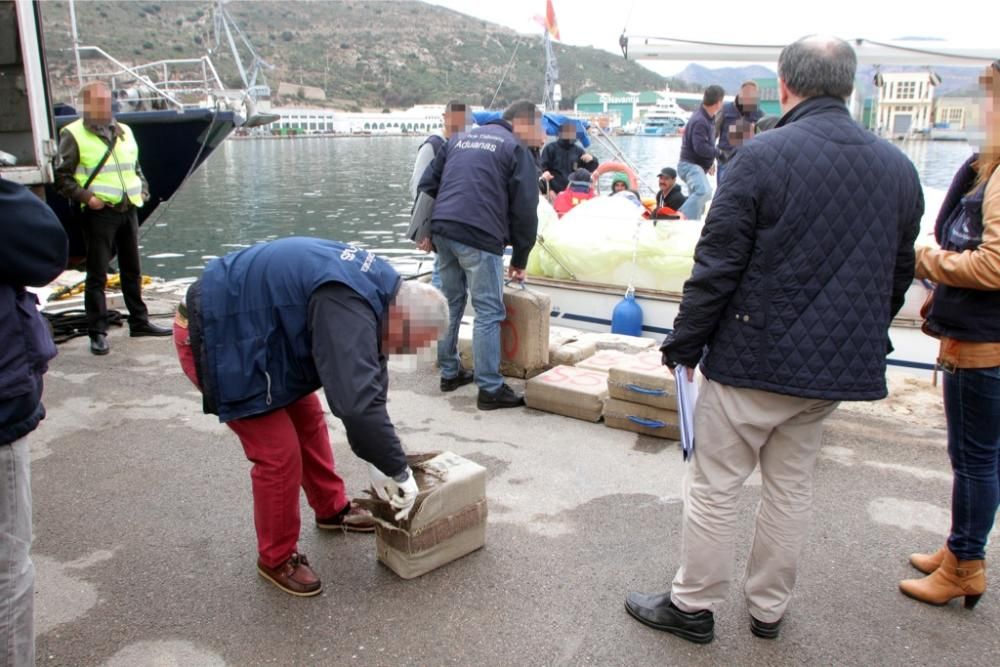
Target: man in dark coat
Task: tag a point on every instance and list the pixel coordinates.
(33, 249)
(698, 153)
(736, 123)
(804, 259)
(562, 157)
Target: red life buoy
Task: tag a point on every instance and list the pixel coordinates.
(605, 167)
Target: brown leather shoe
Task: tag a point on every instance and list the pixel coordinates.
(927, 563)
(294, 576)
(351, 519)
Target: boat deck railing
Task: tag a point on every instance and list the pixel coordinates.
(177, 83)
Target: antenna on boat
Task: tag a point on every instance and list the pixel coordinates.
(76, 41)
(225, 24)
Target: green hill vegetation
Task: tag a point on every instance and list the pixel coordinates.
(362, 53)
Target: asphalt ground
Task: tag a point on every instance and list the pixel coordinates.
(145, 552)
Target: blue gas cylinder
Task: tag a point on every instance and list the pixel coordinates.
(627, 317)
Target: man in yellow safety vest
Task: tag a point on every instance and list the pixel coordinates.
(99, 169)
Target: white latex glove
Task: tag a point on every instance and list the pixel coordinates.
(399, 494)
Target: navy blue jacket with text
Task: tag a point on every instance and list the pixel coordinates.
(485, 186)
(804, 259)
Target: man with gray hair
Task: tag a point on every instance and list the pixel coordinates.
(804, 260)
(259, 333)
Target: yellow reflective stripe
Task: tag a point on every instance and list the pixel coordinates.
(110, 190)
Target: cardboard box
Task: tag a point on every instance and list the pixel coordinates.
(605, 360)
(524, 335)
(644, 379)
(642, 419)
(448, 519)
(569, 391)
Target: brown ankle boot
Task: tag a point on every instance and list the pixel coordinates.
(953, 579)
(927, 563)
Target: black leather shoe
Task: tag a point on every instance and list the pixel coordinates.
(148, 329)
(99, 344)
(765, 630)
(657, 611)
(463, 378)
(505, 398)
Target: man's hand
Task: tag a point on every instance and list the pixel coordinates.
(425, 244)
(586, 157)
(515, 274)
(95, 203)
(399, 491)
(711, 170)
(547, 176)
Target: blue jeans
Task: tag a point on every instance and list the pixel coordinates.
(972, 409)
(699, 189)
(467, 271)
(719, 169)
(17, 573)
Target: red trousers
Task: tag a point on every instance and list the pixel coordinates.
(289, 447)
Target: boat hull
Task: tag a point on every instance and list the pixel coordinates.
(588, 306)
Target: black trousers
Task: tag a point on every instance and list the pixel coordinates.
(102, 231)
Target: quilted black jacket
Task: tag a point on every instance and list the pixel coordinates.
(804, 259)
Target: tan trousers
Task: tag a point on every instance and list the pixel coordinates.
(734, 429)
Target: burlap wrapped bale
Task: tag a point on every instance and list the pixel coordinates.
(524, 335)
(642, 419)
(570, 391)
(605, 360)
(572, 352)
(644, 379)
(610, 341)
(448, 519)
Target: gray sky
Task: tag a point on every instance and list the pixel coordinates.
(971, 23)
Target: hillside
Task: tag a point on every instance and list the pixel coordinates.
(363, 53)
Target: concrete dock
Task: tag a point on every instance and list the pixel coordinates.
(145, 551)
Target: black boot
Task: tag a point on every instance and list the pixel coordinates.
(657, 611)
(99, 344)
(147, 328)
(463, 378)
(504, 398)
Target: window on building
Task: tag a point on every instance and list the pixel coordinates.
(955, 115)
(906, 90)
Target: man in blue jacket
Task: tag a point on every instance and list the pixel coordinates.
(736, 123)
(259, 333)
(698, 153)
(33, 251)
(486, 197)
(804, 260)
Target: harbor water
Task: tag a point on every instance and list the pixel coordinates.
(356, 189)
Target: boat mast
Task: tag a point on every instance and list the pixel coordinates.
(76, 41)
(551, 76)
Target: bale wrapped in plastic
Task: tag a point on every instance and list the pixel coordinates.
(595, 241)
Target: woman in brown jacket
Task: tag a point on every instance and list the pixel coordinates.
(965, 315)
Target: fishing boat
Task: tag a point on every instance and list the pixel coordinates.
(587, 260)
(179, 110)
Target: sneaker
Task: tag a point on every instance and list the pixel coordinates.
(504, 398)
(657, 611)
(294, 576)
(463, 378)
(351, 519)
(765, 630)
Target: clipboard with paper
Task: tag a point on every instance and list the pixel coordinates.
(687, 398)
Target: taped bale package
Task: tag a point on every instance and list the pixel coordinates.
(644, 379)
(621, 342)
(605, 360)
(448, 519)
(569, 391)
(573, 351)
(642, 419)
(524, 335)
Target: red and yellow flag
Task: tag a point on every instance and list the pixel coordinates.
(549, 20)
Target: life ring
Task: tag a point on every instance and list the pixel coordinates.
(605, 167)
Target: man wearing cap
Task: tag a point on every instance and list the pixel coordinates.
(669, 197)
(580, 190)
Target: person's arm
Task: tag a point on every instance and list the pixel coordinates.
(522, 195)
(971, 269)
(546, 162)
(145, 183)
(902, 276)
(33, 244)
(345, 349)
(431, 179)
(424, 157)
(69, 159)
(720, 258)
(701, 140)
